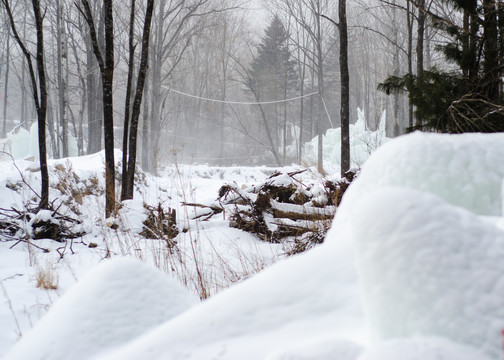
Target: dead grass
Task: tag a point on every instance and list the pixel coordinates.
(47, 278)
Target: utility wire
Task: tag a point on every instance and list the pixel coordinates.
(238, 102)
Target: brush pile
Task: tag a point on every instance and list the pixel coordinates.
(296, 206)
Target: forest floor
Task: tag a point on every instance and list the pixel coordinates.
(205, 254)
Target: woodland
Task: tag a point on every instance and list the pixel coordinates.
(252, 179)
(212, 82)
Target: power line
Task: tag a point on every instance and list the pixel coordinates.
(238, 102)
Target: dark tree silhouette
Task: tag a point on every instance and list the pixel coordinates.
(39, 91)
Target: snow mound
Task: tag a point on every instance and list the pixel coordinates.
(421, 349)
(428, 267)
(112, 304)
(326, 349)
(461, 169)
(429, 258)
(287, 303)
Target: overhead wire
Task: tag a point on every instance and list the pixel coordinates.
(237, 102)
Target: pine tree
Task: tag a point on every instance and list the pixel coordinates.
(468, 99)
(272, 71)
(272, 77)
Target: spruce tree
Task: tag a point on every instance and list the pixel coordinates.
(272, 70)
(272, 77)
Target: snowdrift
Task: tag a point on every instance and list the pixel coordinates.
(429, 255)
(114, 303)
(292, 302)
(412, 268)
(421, 349)
(428, 267)
(464, 170)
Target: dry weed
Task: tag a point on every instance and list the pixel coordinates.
(47, 278)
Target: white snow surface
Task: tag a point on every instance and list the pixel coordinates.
(464, 170)
(428, 267)
(291, 302)
(411, 268)
(320, 349)
(112, 304)
(421, 349)
(429, 255)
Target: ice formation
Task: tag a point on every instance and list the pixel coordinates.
(23, 144)
(363, 142)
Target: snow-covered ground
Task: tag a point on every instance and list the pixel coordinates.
(411, 269)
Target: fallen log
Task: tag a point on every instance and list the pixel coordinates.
(301, 212)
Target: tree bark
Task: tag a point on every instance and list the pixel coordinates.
(61, 55)
(320, 80)
(420, 43)
(39, 92)
(142, 73)
(107, 73)
(127, 112)
(345, 89)
(409, 18)
(491, 51)
(6, 84)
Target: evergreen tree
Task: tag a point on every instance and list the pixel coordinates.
(468, 99)
(272, 71)
(272, 77)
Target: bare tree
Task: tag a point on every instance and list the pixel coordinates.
(307, 14)
(345, 85)
(39, 91)
(345, 89)
(6, 83)
(128, 180)
(62, 57)
(106, 64)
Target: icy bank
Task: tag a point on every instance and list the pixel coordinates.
(363, 143)
(109, 306)
(23, 144)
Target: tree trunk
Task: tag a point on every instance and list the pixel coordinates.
(150, 146)
(409, 18)
(145, 129)
(108, 110)
(500, 24)
(491, 51)
(107, 73)
(6, 84)
(345, 89)
(93, 117)
(320, 78)
(420, 42)
(42, 108)
(397, 69)
(61, 55)
(420, 37)
(131, 66)
(142, 73)
(40, 102)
